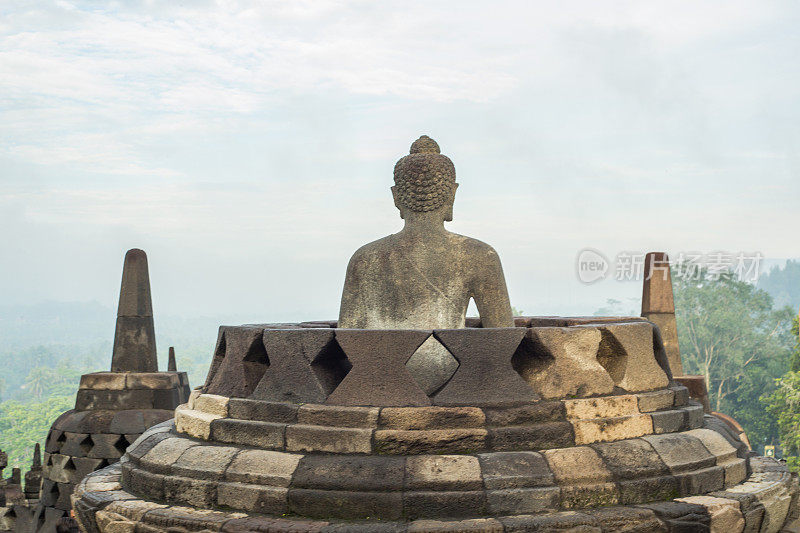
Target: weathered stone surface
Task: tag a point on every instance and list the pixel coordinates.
(724, 453)
(435, 504)
(241, 362)
(512, 470)
(484, 356)
(443, 472)
(344, 504)
(580, 464)
(139, 481)
(605, 407)
(527, 500)
(431, 417)
(630, 459)
(249, 432)
(569, 521)
(305, 366)
(163, 455)
(263, 467)
(337, 415)
(323, 439)
(628, 519)
(478, 525)
(562, 362)
(204, 462)
(694, 416)
(410, 442)
(194, 492)
(129, 421)
(697, 390)
(669, 421)
(542, 411)
(611, 429)
(658, 305)
(253, 498)
(103, 381)
(680, 452)
(212, 404)
(350, 473)
(626, 352)
(194, 423)
(134, 339)
(725, 514)
(379, 376)
(534, 437)
(656, 400)
(151, 380)
(264, 411)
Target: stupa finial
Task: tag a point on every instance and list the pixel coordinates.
(135, 340)
(172, 366)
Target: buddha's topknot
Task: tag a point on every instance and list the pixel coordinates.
(425, 179)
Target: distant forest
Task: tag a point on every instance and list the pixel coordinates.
(46, 347)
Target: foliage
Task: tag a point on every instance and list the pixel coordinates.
(729, 332)
(24, 424)
(783, 405)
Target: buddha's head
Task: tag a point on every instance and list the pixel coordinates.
(425, 181)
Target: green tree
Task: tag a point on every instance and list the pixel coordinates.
(783, 405)
(729, 332)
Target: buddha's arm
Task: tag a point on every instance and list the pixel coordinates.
(351, 312)
(491, 295)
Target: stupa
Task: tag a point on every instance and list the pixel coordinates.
(113, 409)
(536, 424)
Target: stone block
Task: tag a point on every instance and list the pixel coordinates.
(701, 481)
(239, 362)
(626, 352)
(77, 444)
(305, 366)
(680, 452)
(580, 464)
(562, 362)
(151, 380)
(681, 395)
(103, 381)
(611, 429)
(694, 416)
(526, 415)
(109, 446)
(485, 375)
(263, 524)
(379, 376)
(248, 432)
(133, 509)
(536, 437)
(350, 473)
(253, 498)
(90, 399)
(411, 442)
(725, 514)
(180, 519)
(631, 459)
(148, 484)
(417, 418)
(127, 422)
(569, 521)
(204, 462)
(193, 492)
(166, 399)
(164, 454)
(212, 404)
(628, 519)
(643, 490)
(333, 440)
(476, 525)
(513, 470)
(134, 345)
(263, 411)
(194, 423)
(337, 415)
(345, 505)
(192, 397)
(715, 444)
(681, 517)
(419, 504)
(263, 467)
(605, 407)
(587, 495)
(656, 400)
(524, 500)
(670, 421)
(443, 472)
(144, 444)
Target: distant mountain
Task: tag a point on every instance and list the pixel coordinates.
(783, 283)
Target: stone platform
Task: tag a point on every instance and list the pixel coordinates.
(541, 427)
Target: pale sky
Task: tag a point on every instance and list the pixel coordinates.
(248, 147)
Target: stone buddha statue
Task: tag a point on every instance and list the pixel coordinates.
(424, 276)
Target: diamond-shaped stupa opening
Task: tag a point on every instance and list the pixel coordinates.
(432, 365)
(331, 366)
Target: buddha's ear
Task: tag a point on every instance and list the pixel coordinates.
(396, 201)
(448, 216)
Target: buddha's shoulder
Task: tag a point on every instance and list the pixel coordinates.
(471, 246)
(374, 249)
